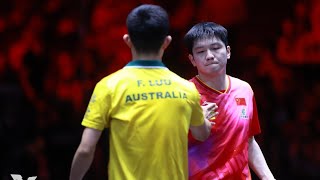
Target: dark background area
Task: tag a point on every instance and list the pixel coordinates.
(53, 52)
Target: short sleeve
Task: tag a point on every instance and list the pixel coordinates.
(98, 110)
(254, 123)
(197, 118)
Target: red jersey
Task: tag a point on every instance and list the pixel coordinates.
(224, 155)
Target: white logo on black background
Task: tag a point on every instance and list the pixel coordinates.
(19, 177)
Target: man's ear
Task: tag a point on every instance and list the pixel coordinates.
(166, 42)
(228, 52)
(192, 60)
(126, 39)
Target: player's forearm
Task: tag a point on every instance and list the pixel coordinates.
(208, 127)
(257, 161)
(80, 164)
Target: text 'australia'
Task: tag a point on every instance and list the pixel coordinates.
(155, 95)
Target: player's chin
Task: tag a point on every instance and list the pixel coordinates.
(212, 70)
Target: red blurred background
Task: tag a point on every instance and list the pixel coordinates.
(53, 52)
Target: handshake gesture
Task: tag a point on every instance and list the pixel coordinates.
(210, 111)
(202, 132)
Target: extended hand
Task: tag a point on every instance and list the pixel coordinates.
(209, 110)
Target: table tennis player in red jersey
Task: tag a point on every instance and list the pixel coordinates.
(231, 148)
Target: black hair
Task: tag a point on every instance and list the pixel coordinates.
(148, 25)
(205, 30)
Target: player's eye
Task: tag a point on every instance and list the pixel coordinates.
(200, 52)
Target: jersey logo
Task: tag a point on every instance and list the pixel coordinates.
(243, 105)
(244, 114)
(241, 101)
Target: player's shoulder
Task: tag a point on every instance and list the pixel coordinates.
(112, 78)
(236, 82)
(185, 82)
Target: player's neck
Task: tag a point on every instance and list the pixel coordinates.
(218, 82)
(140, 56)
(147, 58)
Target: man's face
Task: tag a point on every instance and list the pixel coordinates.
(210, 55)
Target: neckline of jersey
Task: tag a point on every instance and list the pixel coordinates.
(215, 90)
(146, 63)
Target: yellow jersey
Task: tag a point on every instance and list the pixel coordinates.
(149, 110)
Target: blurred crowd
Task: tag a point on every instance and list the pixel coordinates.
(53, 52)
(283, 70)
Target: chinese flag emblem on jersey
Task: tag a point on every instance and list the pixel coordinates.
(241, 101)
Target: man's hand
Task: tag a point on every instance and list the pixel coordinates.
(210, 111)
(201, 133)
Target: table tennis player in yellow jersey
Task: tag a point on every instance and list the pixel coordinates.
(147, 108)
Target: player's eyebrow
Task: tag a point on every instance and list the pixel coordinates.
(202, 46)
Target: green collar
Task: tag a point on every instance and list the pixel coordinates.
(146, 63)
